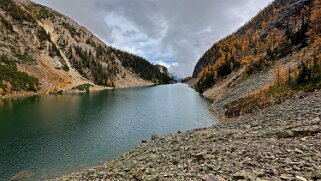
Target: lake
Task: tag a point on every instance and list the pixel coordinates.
(50, 135)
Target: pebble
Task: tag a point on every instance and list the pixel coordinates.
(299, 178)
(230, 150)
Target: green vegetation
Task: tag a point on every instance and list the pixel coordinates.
(309, 77)
(224, 70)
(271, 35)
(141, 67)
(257, 66)
(65, 67)
(43, 35)
(103, 71)
(83, 87)
(100, 52)
(13, 80)
(72, 30)
(103, 68)
(263, 99)
(89, 41)
(206, 80)
(16, 12)
(24, 58)
(42, 12)
(53, 50)
(97, 63)
(6, 24)
(300, 37)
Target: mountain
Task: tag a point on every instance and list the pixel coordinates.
(274, 56)
(284, 28)
(43, 50)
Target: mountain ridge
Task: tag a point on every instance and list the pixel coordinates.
(272, 58)
(63, 55)
(270, 40)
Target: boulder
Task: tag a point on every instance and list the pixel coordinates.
(200, 156)
(285, 134)
(316, 174)
(241, 175)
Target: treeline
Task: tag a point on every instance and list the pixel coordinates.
(103, 69)
(141, 67)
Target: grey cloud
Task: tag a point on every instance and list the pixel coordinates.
(130, 33)
(179, 29)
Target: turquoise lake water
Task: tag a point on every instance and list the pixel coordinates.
(50, 135)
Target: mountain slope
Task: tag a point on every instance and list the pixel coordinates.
(270, 59)
(52, 48)
(283, 28)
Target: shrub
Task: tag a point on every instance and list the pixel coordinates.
(16, 12)
(24, 58)
(6, 24)
(224, 70)
(43, 35)
(9, 75)
(83, 87)
(72, 30)
(207, 80)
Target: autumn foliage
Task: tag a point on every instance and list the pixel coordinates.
(284, 28)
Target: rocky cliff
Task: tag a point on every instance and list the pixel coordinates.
(52, 52)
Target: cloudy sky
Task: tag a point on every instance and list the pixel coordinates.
(174, 33)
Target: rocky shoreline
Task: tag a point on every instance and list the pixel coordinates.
(93, 88)
(282, 142)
